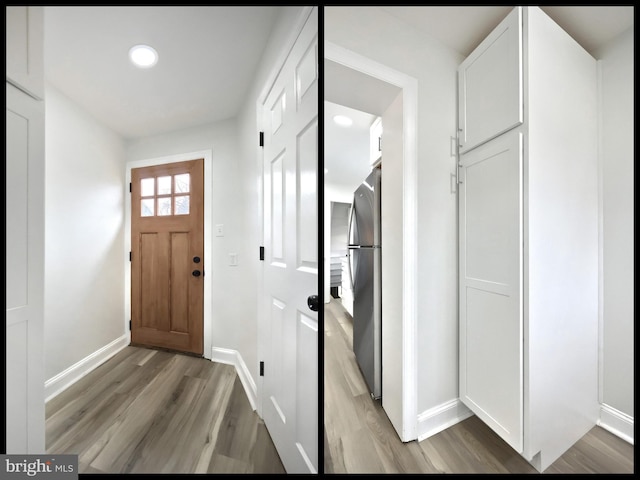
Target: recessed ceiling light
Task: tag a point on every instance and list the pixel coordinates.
(343, 120)
(143, 56)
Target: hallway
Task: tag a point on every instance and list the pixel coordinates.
(359, 438)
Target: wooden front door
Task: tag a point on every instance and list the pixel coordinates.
(167, 247)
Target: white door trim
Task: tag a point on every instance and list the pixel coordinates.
(409, 85)
(208, 241)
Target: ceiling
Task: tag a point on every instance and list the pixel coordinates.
(207, 58)
(460, 28)
(209, 55)
(463, 28)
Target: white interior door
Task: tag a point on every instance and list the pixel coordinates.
(491, 314)
(25, 419)
(290, 383)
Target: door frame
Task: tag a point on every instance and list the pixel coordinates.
(408, 416)
(208, 243)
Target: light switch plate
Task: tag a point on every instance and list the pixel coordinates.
(220, 230)
(233, 259)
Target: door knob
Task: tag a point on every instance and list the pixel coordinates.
(196, 273)
(313, 302)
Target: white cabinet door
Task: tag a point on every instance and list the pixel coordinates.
(375, 141)
(490, 85)
(24, 273)
(491, 357)
(25, 65)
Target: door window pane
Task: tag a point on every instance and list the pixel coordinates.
(164, 206)
(164, 185)
(182, 183)
(147, 207)
(182, 205)
(147, 187)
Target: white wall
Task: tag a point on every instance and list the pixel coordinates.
(231, 298)
(381, 37)
(617, 183)
(84, 213)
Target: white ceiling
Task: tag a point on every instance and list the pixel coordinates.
(209, 54)
(207, 58)
(460, 28)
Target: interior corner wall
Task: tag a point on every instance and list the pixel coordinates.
(617, 183)
(374, 33)
(84, 202)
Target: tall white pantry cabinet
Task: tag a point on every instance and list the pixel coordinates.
(528, 223)
(24, 163)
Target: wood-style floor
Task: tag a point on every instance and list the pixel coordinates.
(151, 411)
(359, 438)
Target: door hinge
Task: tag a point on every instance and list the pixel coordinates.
(129, 324)
(262, 253)
(130, 256)
(261, 139)
(129, 187)
(262, 369)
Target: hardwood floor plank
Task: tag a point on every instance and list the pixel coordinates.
(359, 438)
(153, 411)
(357, 453)
(264, 452)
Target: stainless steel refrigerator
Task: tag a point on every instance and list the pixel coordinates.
(364, 266)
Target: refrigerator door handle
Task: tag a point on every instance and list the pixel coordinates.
(350, 244)
(349, 259)
(351, 229)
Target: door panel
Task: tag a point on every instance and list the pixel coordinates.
(491, 357)
(167, 233)
(24, 294)
(290, 383)
(490, 85)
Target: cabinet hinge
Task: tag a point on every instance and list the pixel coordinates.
(261, 140)
(262, 369)
(262, 253)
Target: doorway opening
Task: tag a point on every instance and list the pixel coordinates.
(357, 82)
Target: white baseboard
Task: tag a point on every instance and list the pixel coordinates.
(616, 422)
(439, 418)
(233, 357)
(75, 372)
